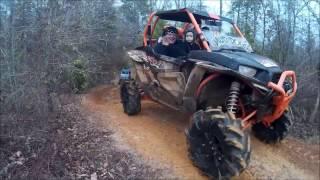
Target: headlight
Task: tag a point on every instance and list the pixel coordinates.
(267, 62)
(247, 71)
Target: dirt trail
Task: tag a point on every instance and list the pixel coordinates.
(157, 134)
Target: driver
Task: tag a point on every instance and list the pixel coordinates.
(170, 45)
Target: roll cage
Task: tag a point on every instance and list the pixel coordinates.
(280, 100)
(187, 16)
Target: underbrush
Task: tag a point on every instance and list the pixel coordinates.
(64, 145)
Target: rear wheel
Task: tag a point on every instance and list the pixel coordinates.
(130, 97)
(217, 144)
(276, 132)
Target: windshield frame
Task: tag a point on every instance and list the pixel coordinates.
(150, 26)
(223, 35)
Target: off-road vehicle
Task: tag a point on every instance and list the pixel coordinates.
(228, 88)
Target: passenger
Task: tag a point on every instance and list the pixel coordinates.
(170, 45)
(190, 40)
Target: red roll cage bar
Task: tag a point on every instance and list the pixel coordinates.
(193, 21)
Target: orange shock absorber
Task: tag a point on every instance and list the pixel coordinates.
(233, 97)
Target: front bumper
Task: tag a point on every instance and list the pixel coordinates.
(283, 98)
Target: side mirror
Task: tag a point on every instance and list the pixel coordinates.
(213, 23)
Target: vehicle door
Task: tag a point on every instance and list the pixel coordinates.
(162, 77)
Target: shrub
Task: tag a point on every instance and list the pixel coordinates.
(79, 76)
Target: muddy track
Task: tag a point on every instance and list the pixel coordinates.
(157, 134)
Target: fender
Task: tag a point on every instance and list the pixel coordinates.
(194, 80)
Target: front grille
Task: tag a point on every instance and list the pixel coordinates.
(287, 86)
(275, 78)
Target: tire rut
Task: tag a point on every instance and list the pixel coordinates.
(157, 134)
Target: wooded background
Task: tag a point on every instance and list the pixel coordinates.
(41, 41)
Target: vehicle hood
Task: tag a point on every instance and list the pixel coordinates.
(232, 59)
(267, 69)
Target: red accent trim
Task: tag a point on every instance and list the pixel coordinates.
(185, 25)
(238, 30)
(279, 86)
(248, 117)
(205, 82)
(153, 28)
(281, 101)
(146, 98)
(246, 120)
(243, 112)
(181, 32)
(247, 125)
(146, 28)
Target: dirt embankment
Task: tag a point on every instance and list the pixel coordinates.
(157, 134)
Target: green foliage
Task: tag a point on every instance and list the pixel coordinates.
(134, 8)
(79, 63)
(79, 76)
(249, 34)
(158, 30)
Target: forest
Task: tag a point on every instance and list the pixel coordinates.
(54, 51)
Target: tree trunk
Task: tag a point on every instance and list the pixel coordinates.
(264, 28)
(220, 7)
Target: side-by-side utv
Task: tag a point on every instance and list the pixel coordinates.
(228, 88)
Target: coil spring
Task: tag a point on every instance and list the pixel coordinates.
(233, 97)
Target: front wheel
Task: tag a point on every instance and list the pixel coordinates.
(217, 144)
(276, 132)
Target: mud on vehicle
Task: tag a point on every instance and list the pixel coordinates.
(228, 88)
